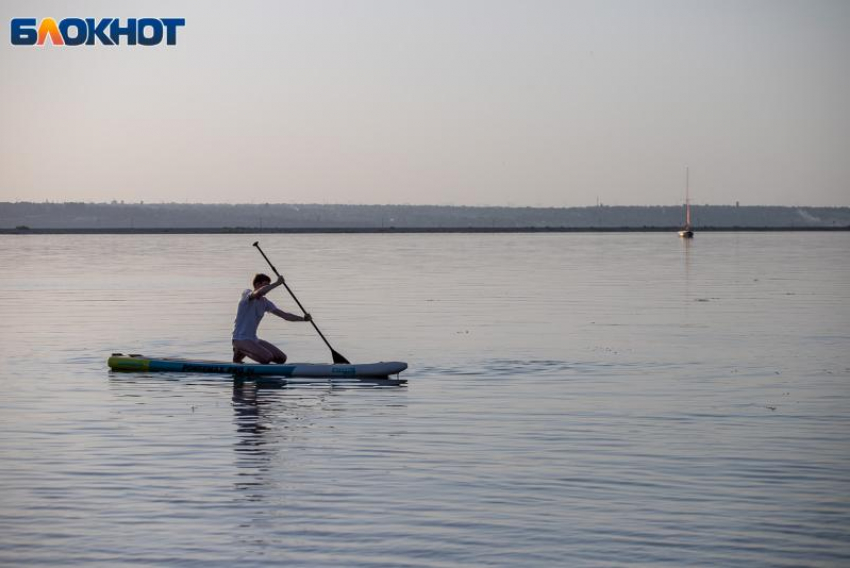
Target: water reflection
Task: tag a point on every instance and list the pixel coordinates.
(280, 424)
(269, 416)
(686, 247)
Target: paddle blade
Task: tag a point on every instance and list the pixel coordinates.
(339, 359)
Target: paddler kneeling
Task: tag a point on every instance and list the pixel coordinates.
(252, 307)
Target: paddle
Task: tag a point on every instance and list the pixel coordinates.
(338, 359)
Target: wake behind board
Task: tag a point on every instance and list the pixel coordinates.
(133, 362)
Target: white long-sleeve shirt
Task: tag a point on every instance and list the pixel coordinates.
(249, 314)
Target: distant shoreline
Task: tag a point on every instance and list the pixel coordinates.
(281, 218)
(397, 230)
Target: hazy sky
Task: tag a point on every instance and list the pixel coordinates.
(447, 102)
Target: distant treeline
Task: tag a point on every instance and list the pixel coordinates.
(22, 216)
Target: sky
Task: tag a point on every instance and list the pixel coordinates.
(460, 102)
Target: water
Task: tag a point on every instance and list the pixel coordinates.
(573, 400)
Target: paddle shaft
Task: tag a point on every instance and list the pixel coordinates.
(336, 356)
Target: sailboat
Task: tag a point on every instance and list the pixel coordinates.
(687, 232)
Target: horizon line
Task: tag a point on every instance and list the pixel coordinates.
(408, 230)
(592, 206)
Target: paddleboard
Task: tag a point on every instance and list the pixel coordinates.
(134, 362)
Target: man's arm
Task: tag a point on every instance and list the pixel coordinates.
(289, 317)
(260, 292)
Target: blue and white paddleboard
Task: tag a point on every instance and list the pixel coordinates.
(382, 370)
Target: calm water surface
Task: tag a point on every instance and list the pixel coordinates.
(573, 400)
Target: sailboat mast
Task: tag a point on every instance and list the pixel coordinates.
(688, 197)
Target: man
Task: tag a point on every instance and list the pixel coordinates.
(252, 307)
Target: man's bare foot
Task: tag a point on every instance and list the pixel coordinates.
(238, 356)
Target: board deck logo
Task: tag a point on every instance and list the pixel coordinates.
(94, 31)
